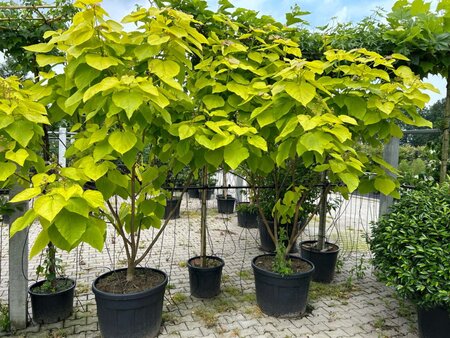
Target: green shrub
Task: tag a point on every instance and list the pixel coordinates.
(411, 246)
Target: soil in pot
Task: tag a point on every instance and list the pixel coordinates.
(282, 296)
(116, 282)
(205, 281)
(130, 309)
(324, 261)
(51, 304)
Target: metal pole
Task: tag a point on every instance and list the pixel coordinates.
(18, 268)
(390, 155)
(62, 145)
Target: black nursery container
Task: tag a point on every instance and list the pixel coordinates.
(282, 296)
(170, 205)
(132, 315)
(225, 205)
(52, 307)
(246, 219)
(267, 243)
(205, 282)
(433, 322)
(324, 261)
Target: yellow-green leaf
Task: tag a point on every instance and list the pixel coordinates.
(303, 92)
(128, 101)
(71, 226)
(49, 206)
(26, 194)
(22, 222)
(102, 86)
(185, 131)
(122, 141)
(164, 68)
(44, 60)
(19, 156)
(95, 234)
(100, 62)
(39, 48)
(7, 169)
(350, 180)
(384, 185)
(258, 142)
(213, 101)
(235, 154)
(40, 243)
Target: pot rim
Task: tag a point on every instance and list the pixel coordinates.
(132, 294)
(335, 246)
(222, 263)
(274, 274)
(31, 292)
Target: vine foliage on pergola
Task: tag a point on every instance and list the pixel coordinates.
(24, 23)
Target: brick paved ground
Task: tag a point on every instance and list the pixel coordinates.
(355, 305)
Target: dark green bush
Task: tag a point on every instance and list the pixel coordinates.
(411, 246)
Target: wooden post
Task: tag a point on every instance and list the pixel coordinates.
(390, 155)
(18, 268)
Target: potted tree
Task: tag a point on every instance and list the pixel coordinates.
(122, 92)
(410, 245)
(320, 252)
(225, 202)
(51, 298)
(205, 272)
(23, 164)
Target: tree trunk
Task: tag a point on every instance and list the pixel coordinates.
(322, 214)
(203, 218)
(225, 190)
(130, 271)
(445, 135)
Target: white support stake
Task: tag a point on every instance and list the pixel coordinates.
(62, 144)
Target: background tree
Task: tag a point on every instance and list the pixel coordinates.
(24, 23)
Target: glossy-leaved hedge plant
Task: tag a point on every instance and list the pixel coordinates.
(209, 90)
(411, 245)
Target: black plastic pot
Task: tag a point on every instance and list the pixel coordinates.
(170, 205)
(278, 295)
(205, 282)
(52, 307)
(267, 243)
(324, 261)
(225, 205)
(246, 219)
(194, 193)
(434, 322)
(197, 193)
(131, 315)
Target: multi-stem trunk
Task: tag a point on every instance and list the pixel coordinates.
(445, 135)
(203, 219)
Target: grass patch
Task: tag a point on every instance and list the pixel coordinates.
(178, 297)
(232, 291)
(206, 316)
(82, 288)
(4, 317)
(334, 291)
(168, 317)
(245, 274)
